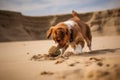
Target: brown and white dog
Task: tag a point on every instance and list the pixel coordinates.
(72, 32)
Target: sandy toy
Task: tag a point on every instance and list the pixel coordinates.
(54, 51)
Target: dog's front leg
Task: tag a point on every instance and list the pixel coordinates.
(63, 49)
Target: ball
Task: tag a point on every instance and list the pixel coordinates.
(54, 51)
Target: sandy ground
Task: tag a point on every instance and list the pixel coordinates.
(103, 63)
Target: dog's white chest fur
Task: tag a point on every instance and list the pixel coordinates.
(70, 24)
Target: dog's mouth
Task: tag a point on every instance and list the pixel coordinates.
(61, 45)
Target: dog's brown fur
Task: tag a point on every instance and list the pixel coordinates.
(61, 35)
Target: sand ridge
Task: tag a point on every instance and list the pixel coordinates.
(15, 26)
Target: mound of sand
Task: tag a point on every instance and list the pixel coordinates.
(16, 27)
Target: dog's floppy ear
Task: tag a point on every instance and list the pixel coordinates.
(49, 32)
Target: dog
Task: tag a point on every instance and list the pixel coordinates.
(72, 32)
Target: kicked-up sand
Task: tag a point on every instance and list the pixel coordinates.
(102, 63)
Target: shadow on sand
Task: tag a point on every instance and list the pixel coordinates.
(101, 51)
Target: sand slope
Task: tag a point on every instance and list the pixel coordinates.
(100, 64)
(17, 27)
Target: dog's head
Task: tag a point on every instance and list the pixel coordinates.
(59, 34)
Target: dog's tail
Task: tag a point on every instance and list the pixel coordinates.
(74, 14)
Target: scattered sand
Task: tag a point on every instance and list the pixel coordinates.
(46, 73)
(29, 60)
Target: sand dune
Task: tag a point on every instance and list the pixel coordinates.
(100, 64)
(17, 27)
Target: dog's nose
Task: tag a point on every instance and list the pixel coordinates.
(58, 40)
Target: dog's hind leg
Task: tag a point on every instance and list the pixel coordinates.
(88, 41)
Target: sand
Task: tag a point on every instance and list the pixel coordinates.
(103, 63)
